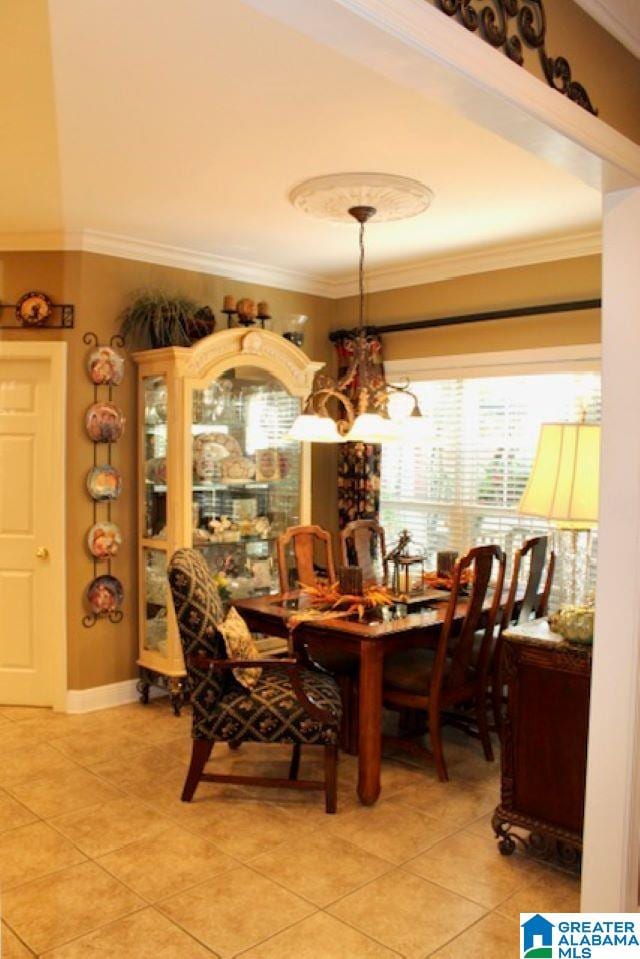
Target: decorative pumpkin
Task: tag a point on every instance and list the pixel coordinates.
(574, 623)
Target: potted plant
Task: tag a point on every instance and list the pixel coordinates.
(155, 319)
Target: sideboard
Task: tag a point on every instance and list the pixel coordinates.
(544, 744)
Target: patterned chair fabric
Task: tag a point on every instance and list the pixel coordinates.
(272, 713)
(222, 708)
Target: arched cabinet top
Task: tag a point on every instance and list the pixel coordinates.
(212, 356)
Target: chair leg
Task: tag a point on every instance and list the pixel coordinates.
(483, 725)
(435, 734)
(200, 752)
(331, 778)
(295, 762)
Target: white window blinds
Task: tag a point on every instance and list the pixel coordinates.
(462, 486)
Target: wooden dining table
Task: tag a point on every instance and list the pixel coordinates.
(367, 643)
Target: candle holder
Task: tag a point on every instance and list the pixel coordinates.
(350, 580)
(445, 561)
(401, 576)
(244, 320)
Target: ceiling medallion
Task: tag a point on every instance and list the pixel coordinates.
(332, 197)
(494, 20)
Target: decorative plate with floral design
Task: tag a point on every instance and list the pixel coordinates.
(34, 309)
(105, 366)
(105, 595)
(238, 468)
(104, 483)
(104, 422)
(104, 539)
(209, 449)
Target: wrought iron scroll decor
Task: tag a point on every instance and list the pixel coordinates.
(495, 20)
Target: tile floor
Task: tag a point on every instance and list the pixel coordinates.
(98, 856)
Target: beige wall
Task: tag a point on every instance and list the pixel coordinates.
(100, 287)
(544, 283)
(608, 71)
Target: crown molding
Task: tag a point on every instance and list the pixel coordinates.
(183, 258)
(485, 260)
(627, 33)
(431, 270)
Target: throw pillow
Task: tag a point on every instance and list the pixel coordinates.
(240, 644)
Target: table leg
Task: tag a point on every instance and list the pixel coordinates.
(370, 711)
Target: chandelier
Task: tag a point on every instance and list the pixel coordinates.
(360, 406)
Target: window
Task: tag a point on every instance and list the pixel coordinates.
(462, 486)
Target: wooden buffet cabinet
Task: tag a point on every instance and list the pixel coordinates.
(544, 748)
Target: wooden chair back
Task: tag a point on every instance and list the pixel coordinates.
(308, 544)
(456, 648)
(360, 542)
(534, 603)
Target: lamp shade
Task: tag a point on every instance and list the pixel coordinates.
(564, 482)
(373, 428)
(311, 428)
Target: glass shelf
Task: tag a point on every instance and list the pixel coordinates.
(236, 542)
(240, 427)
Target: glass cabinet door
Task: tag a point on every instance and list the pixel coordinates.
(246, 476)
(155, 457)
(156, 596)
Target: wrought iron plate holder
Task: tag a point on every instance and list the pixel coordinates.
(114, 615)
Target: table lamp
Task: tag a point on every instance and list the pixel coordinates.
(563, 487)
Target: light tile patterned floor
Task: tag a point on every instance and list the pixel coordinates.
(99, 857)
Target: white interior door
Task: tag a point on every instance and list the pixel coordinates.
(32, 562)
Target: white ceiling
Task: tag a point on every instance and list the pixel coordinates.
(181, 125)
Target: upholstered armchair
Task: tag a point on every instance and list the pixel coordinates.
(289, 703)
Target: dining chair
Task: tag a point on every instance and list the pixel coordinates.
(534, 605)
(360, 542)
(287, 704)
(437, 681)
(312, 548)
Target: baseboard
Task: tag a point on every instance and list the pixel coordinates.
(103, 697)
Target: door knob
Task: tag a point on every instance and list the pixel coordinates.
(42, 552)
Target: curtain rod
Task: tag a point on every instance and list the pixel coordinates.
(569, 307)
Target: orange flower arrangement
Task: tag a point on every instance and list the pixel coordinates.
(327, 602)
(446, 581)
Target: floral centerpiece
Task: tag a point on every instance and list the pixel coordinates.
(327, 601)
(445, 580)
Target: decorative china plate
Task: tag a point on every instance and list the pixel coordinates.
(104, 422)
(34, 309)
(209, 449)
(155, 469)
(105, 595)
(104, 483)
(104, 539)
(105, 366)
(238, 468)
